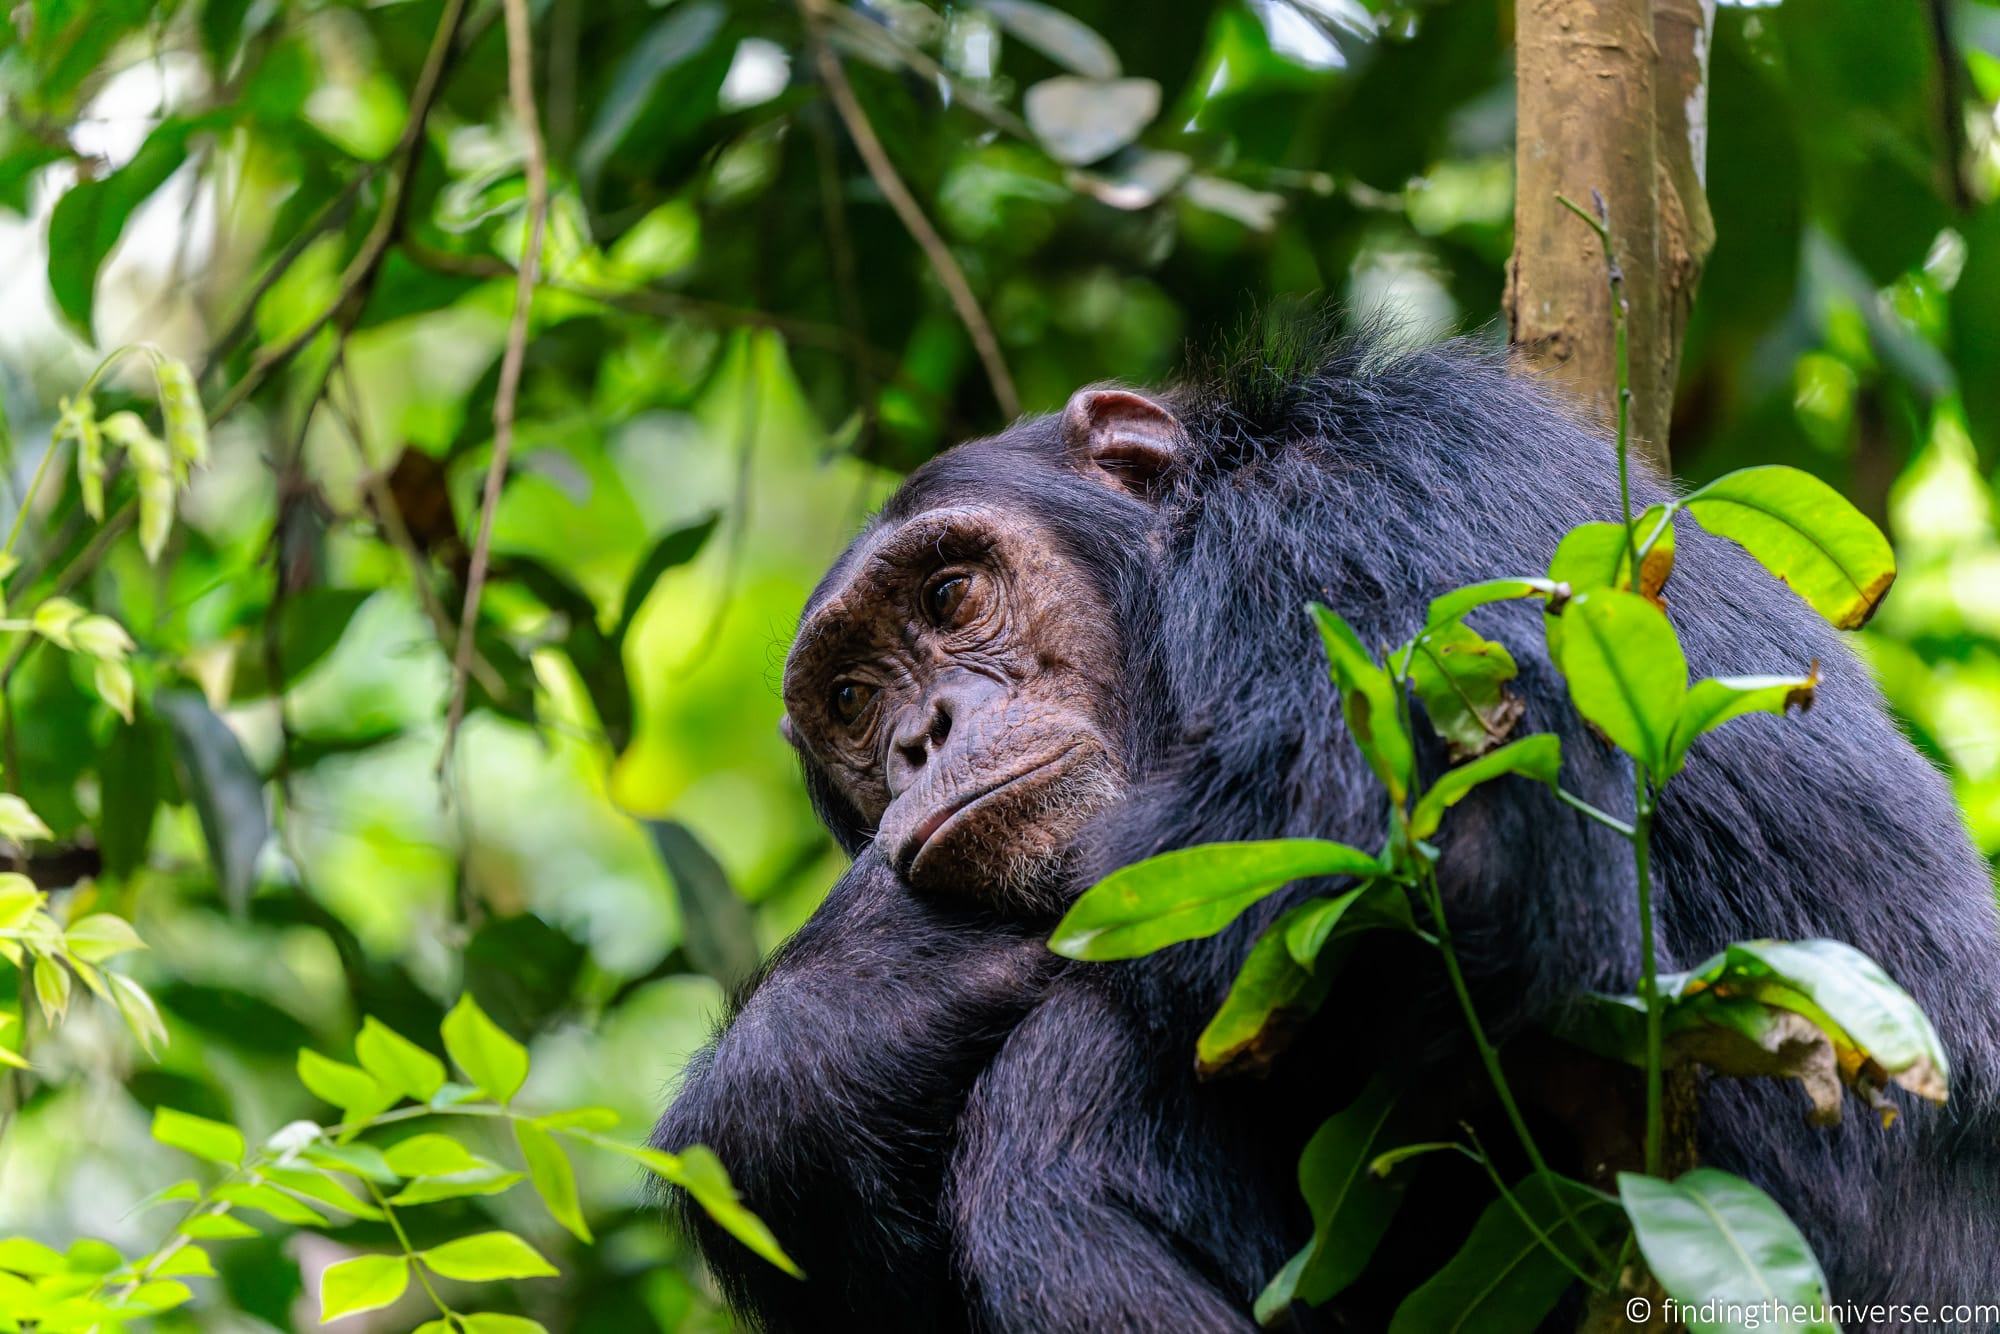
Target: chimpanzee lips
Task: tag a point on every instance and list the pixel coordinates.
(937, 821)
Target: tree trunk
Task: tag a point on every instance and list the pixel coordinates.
(1611, 101)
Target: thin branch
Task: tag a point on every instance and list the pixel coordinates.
(359, 278)
(834, 76)
(521, 91)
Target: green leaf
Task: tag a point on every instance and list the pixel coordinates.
(323, 1189)
(431, 1155)
(24, 1255)
(358, 1094)
(719, 931)
(87, 221)
(365, 1283)
(213, 1140)
(397, 1062)
(310, 626)
(552, 1177)
(217, 1227)
(489, 1179)
(101, 936)
(1193, 892)
(19, 899)
(1711, 1236)
(700, 1173)
(1844, 992)
(1626, 672)
(675, 548)
(1460, 679)
(1538, 757)
(1804, 532)
(487, 1322)
(154, 469)
(18, 823)
(361, 1160)
(52, 988)
(1271, 995)
(1351, 1207)
(486, 1256)
(269, 1200)
(228, 796)
(1380, 904)
(1594, 555)
(486, 1055)
(580, 1118)
(1718, 699)
(1504, 1280)
(1369, 703)
(1454, 605)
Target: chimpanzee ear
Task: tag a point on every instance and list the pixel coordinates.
(1125, 439)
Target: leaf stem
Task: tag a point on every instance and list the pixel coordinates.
(1605, 818)
(1615, 277)
(1477, 1152)
(1649, 971)
(409, 1251)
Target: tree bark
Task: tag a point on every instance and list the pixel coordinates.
(1611, 102)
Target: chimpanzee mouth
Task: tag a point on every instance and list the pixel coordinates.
(944, 817)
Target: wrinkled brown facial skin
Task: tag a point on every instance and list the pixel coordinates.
(959, 689)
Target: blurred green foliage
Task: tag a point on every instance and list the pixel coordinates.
(736, 348)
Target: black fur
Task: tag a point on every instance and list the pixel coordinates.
(1093, 1183)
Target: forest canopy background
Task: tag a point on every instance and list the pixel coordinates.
(738, 343)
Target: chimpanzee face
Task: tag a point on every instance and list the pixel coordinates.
(958, 681)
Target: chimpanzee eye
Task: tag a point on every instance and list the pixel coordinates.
(943, 598)
(850, 700)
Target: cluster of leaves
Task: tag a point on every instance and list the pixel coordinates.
(306, 1170)
(1818, 1010)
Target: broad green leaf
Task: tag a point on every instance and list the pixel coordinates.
(553, 1179)
(52, 989)
(1454, 605)
(675, 548)
(580, 1118)
(269, 1200)
(18, 899)
(101, 936)
(157, 1295)
(1504, 1279)
(1272, 994)
(365, 1283)
(18, 823)
(485, 1256)
(87, 221)
(718, 929)
(24, 1255)
(1711, 1236)
(213, 1140)
(141, 1015)
(487, 1322)
(1365, 907)
(397, 1062)
(97, 636)
(358, 1094)
(1804, 532)
(186, 1262)
(700, 1173)
(361, 1160)
(228, 795)
(1718, 699)
(1080, 121)
(488, 1057)
(1626, 672)
(1538, 757)
(487, 1179)
(217, 1227)
(431, 1155)
(323, 1189)
(1844, 991)
(1193, 892)
(1369, 703)
(1594, 555)
(1351, 1207)
(1460, 679)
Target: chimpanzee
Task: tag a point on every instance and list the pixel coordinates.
(1081, 642)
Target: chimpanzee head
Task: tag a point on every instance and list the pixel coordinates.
(957, 690)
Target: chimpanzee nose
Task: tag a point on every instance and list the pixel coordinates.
(924, 727)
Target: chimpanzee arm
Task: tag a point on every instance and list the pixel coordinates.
(1096, 1187)
(830, 1095)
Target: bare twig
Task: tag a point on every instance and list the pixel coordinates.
(521, 90)
(359, 278)
(834, 76)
